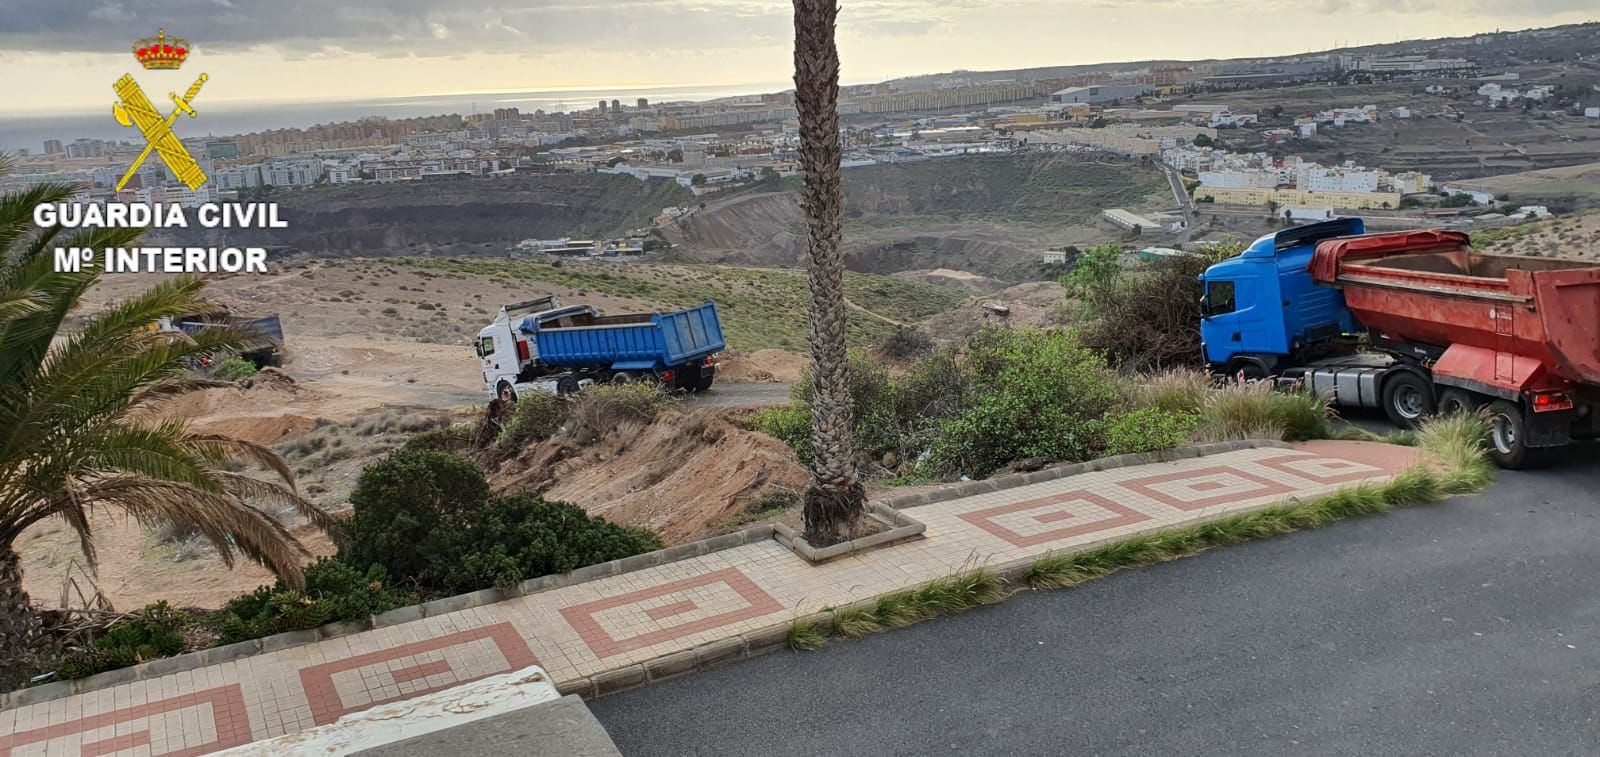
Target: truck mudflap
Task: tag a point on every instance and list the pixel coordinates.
(1552, 429)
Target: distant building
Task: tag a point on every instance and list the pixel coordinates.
(1100, 93)
(1127, 220)
(222, 149)
(643, 104)
(53, 147)
(1591, 112)
(1054, 257)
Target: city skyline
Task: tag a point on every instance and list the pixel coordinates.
(263, 53)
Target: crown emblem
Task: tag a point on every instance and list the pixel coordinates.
(161, 51)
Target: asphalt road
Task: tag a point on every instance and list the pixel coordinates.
(1468, 627)
(728, 394)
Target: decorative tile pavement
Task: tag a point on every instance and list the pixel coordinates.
(580, 630)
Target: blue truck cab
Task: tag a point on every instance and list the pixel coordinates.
(1262, 308)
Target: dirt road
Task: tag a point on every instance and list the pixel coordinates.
(742, 395)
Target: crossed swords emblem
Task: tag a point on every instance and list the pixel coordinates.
(136, 110)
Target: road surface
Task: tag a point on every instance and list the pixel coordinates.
(1182, 196)
(741, 395)
(1469, 627)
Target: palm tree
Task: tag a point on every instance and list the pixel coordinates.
(78, 427)
(834, 498)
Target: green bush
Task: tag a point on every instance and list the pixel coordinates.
(1030, 394)
(523, 536)
(536, 418)
(233, 369)
(427, 517)
(409, 509)
(1148, 429)
(334, 592)
(790, 424)
(152, 633)
(1147, 318)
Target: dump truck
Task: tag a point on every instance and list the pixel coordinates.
(1415, 323)
(541, 345)
(265, 343)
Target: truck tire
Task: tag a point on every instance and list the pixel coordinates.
(1458, 402)
(566, 386)
(1407, 399)
(506, 392)
(704, 382)
(623, 377)
(1507, 437)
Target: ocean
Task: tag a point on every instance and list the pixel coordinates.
(30, 132)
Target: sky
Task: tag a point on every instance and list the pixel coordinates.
(265, 51)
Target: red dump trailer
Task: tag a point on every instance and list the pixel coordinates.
(1518, 335)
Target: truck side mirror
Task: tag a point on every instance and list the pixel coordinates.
(1205, 306)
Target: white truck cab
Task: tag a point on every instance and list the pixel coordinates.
(509, 358)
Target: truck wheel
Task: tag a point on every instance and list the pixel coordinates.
(704, 382)
(1507, 440)
(1458, 402)
(623, 377)
(506, 392)
(566, 386)
(1407, 399)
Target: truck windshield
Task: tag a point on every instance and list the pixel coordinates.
(485, 346)
(1219, 298)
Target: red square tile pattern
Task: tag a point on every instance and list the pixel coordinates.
(329, 704)
(1091, 512)
(732, 597)
(1325, 470)
(1200, 488)
(222, 706)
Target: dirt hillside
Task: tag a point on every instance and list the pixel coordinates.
(677, 476)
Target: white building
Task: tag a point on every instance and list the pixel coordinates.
(1259, 178)
(1338, 180)
(238, 177)
(1591, 112)
(291, 172)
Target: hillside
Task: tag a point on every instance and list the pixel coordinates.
(456, 215)
(986, 214)
(1576, 236)
(1561, 189)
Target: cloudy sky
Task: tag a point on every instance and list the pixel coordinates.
(299, 50)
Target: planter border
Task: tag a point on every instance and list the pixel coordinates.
(748, 644)
(901, 528)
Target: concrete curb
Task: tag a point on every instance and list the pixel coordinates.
(750, 643)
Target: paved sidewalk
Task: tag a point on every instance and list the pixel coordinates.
(581, 630)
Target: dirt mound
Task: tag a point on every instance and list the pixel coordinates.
(781, 366)
(259, 409)
(1031, 305)
(676, 476)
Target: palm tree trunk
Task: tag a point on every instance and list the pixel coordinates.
(834, 498)
(19, 625)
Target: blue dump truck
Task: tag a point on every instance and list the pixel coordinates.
(265, 343)
(539, 345)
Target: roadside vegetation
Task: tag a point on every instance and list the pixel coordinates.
(1458, 464)
(1021, 398)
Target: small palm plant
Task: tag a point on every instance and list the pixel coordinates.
(80, 426)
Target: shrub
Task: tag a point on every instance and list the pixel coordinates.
(1149, 318)
(524, 536)
(1030, 394)
(334, 592)
(906, 343)
(1175, 391)
(1258, 411)
(151, 633)
(456, 438)
(1148, 429)
(233, 369)
(599, 408)
(426, 516)
(409, 508)
(537, 417)
(790, 424)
